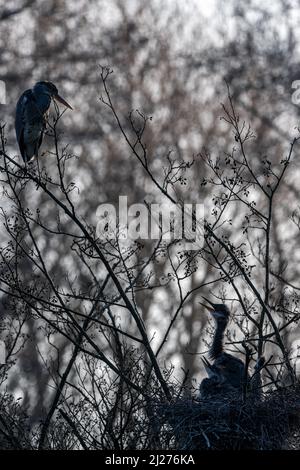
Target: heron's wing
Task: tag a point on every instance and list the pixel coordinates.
(19, 120)
(228, 361)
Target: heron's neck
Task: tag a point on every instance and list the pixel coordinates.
(217, 344)
(42, 98)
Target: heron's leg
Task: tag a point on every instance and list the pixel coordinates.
(38, 166)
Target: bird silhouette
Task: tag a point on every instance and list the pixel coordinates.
(226, 373)
(31, 116)
(216, 384)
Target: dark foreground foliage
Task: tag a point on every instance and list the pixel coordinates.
(224, 423)
(228, 423)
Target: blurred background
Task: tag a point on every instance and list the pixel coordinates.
(171, 63)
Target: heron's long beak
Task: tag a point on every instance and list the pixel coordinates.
(208, 367)
(206, 306)
(210, 309)
(206, 363)
(62, 101)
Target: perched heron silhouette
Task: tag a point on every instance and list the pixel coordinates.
(226, 373)
(31, 117)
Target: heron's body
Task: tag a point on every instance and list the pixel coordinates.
(31, 117)
(231, 368)
(227, 372)
(215, 388)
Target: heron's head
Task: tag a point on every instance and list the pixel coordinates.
(50, 89)
(220, 312)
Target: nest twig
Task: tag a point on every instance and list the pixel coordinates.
(230, 423)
